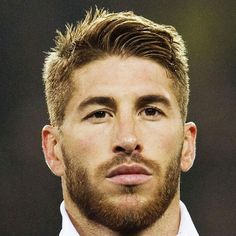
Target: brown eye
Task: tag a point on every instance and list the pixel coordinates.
(151, 112)
(99, 114)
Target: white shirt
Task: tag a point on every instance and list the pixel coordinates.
(186, 227)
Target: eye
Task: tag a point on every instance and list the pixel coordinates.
(151, 113)
(98, 116)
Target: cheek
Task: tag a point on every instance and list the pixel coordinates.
(162, 143)
(169, 142)
(89, 145)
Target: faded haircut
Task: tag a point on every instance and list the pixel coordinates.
(102, 34)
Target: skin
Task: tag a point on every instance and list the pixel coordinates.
(155, 130)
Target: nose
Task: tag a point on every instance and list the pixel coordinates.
(126, 140)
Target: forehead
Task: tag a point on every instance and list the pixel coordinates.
(116, 76)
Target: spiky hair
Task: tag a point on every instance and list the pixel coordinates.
(101, 34)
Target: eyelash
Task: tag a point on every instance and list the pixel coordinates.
(155, 109)
(93, 114)
(105, 112)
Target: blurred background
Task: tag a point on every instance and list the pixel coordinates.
(30, 195)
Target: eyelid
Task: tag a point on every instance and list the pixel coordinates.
(91, 114)
(158, 114)
(153, 107)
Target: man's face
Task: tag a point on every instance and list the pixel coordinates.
(121, 142)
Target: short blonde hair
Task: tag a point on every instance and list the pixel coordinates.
(102, 34)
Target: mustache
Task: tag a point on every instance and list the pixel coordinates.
(129, 159)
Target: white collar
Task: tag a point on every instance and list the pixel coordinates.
(68, 228)
(186, 227)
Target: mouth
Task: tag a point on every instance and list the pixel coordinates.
(129, 175)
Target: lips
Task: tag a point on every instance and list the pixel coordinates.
(129, 175)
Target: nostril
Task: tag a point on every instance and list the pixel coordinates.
(119, 149)
(138, 148)
(127, 150)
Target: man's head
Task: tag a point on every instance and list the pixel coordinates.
(102, 34)
(117, 93)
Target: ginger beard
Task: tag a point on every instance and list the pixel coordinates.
(95, 204)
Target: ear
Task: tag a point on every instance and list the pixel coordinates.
(189, 146)
(52, 150)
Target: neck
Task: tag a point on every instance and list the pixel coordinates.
(167, 225)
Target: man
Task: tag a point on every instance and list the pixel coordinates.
(117, 94)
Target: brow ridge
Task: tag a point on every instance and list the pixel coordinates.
(98, 100)
(149, 99)
(110, 101)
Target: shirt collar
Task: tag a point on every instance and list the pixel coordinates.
(68, 228)
(186, 227)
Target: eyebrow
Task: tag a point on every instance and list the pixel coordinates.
(111, 103)
(103, 101)
(148, 99)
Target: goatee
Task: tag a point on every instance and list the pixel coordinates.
(95, 205)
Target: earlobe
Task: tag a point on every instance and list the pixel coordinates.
(51, 149)
(189, 146)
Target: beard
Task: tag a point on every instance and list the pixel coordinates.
(95, 204)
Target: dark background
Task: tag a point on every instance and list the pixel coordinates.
(30, 195)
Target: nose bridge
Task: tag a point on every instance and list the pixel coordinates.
(126, 133)
(126, 128)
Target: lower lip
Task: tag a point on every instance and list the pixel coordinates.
(130, 179)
